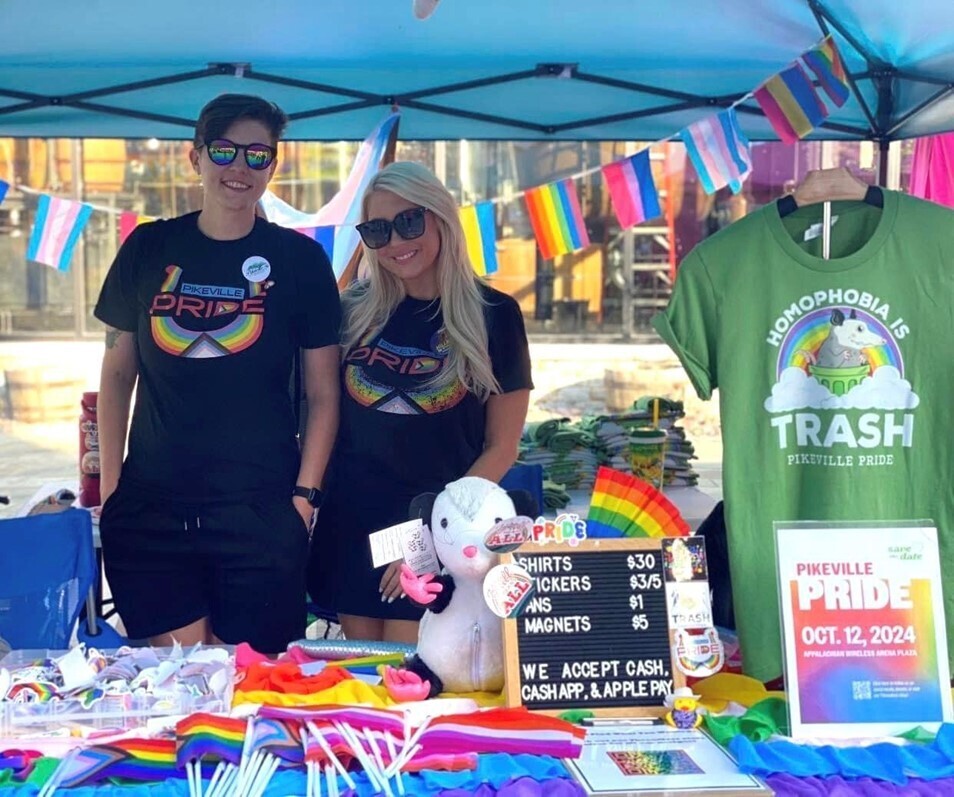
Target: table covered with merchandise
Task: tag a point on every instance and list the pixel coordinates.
(217, 721)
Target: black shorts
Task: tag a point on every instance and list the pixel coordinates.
(240, 565)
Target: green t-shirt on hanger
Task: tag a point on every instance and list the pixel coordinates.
(835, 377)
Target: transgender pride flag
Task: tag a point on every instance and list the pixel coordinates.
(343, 211)
(58, 225)
(719, 151)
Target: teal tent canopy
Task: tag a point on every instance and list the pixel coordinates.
(478, 69)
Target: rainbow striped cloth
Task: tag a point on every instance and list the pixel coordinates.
(556, 218)
(826, 64)
(719, 151)
(56, 231)
(131, 759)
(480, 232)
(632, 189)
(210, 736)
(791, 104)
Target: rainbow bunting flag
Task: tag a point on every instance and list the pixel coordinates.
(825, 63)
(624, 506)
(719, 151)
(130, 759)
(556, 218)
(632, 189)
(210, 736)
(480, 231)
(4, 187)
(128, 221)
(57, 228)
(791, 104)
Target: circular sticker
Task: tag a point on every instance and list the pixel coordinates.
(698, 655)
(507, 588)
(509, 534)
(256, 269)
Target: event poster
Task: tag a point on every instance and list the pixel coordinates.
(863, 628)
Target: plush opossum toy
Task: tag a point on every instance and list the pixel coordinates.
(460, 644)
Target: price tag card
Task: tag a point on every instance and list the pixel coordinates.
(387, 545)
(863, 628)
(417, 543)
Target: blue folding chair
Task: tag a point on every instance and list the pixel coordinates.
(526, 477)
(47, 571)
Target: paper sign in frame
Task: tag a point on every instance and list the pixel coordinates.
(511, 642)
(819, 535)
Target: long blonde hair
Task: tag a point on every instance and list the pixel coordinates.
(369, 304)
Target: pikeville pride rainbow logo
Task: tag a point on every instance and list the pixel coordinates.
(242, 315)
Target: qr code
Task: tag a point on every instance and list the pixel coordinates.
(861, 690)
(415, 543)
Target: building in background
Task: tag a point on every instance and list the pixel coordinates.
(611, 288)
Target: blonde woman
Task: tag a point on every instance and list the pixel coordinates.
(435, 386)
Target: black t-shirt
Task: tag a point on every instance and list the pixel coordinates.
(399, 436)
(217, 324)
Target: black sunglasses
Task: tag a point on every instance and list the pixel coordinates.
(222, 152)
(409, 224)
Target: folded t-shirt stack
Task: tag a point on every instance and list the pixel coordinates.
(564, 450)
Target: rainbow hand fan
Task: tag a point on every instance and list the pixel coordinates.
(624, 506)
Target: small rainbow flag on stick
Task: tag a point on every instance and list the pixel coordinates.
(209, 736)
(624, 506)
(556, 218)
(480, 231)
(719, 151)
(632, 189)
(825, 63)
(791, 104)
(58, 225)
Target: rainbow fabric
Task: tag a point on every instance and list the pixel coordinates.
(825, 63)
(632, 189)
(556, 218)
(480, 232)
(57, 228)
(128, 222)
(624, 506)
(791, 104)
(132, 759)
(719, 151)
(210, 736)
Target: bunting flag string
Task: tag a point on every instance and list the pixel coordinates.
(480, 232)
(128, 221)
(556, 218)
(717, 149)
(825, 63)
(632, 189)
(56, 230)
(791, 104)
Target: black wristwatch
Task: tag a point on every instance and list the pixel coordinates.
(313, 494)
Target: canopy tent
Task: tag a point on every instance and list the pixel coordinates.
(478, 69)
